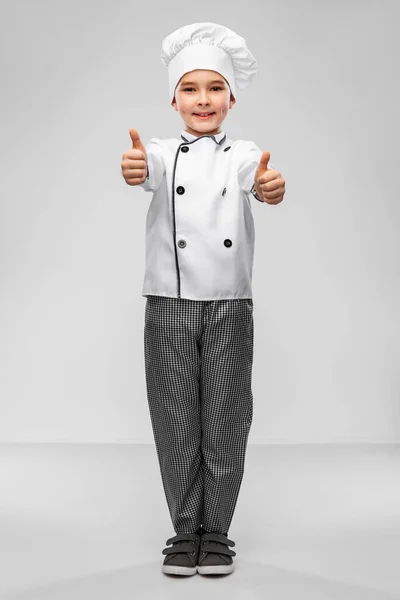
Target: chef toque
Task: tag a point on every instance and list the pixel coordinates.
(208, 46)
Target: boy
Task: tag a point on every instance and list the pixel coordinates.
(198, 334)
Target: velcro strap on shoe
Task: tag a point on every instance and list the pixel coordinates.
(179, 547)
(182, 536)
(217, 537)
(217, 548)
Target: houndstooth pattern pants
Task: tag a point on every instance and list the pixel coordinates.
(198, 363)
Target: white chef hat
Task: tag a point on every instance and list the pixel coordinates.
(208, 46)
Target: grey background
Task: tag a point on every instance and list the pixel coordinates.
(75, 77)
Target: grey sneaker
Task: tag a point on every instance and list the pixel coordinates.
(215, 557)
(182, 556)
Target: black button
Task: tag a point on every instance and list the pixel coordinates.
(225, 149)
(185, 149)
(224, 192)
(180, 189)
(228, 243)
(181, 243)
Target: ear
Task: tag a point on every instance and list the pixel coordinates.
(173, 103)
(232, 100)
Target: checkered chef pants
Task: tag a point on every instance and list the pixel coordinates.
(198, 363)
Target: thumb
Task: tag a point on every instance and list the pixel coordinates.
(264, 161)
(136, 143)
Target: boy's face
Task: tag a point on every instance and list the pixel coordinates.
(203, 94)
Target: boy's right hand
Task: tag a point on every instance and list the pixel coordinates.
(134, 162)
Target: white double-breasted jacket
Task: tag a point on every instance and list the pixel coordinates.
(199, 228)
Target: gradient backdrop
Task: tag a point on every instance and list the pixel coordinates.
(75, 77)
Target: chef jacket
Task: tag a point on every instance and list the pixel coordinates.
(199, 228)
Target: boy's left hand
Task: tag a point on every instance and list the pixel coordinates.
(269, 183)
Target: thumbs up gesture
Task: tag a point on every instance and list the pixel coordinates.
(134, 161)
(269, 183)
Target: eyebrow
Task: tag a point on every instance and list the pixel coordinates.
(194, 83)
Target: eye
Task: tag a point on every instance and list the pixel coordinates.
(213, 88)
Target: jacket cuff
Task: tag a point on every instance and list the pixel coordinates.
(256, 196)
(146, 184)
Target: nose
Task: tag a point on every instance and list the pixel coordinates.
(203, 98)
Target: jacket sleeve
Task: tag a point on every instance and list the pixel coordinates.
(250, 155)
(155, 166)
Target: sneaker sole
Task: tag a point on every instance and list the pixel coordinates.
(215, 569)
(176, 570)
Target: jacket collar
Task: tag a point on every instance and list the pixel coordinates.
(218, 138)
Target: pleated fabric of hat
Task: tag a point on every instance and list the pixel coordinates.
(208, 46)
